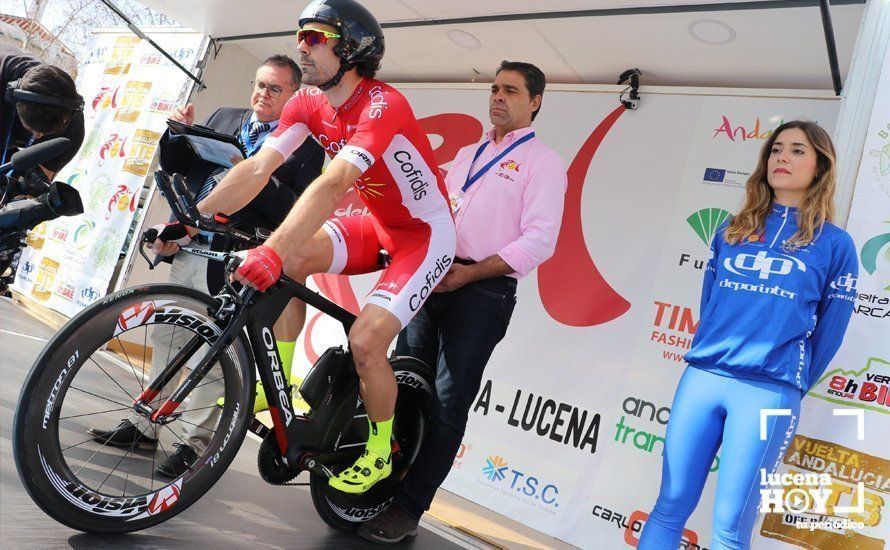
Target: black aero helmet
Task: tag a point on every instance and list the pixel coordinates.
(361, 38)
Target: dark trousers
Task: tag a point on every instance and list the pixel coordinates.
(454, 332)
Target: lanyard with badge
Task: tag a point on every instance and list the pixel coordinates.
(251, 148)
(457, 200)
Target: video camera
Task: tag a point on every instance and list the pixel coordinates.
(18, 216)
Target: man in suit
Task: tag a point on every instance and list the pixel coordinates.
(271, 90)
(276, 80)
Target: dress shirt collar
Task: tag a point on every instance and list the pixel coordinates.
(510, 137)
(272, 123)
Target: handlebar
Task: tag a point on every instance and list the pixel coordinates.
(182, 204)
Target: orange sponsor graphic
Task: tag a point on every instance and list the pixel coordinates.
(46, 276)
(122, 55)
(367, 190)
(131, 101)
(37, 237)
(142, 152)
(639, 518)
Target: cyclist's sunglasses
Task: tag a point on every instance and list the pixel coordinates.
(315, 36)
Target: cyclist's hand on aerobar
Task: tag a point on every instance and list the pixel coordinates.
(168, 238)
(260, 269)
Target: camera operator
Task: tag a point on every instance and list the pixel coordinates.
(37, 102)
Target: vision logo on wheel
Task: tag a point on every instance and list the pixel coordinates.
(132, 508)
(165, 498)
(408, 378)
(136, 315)
(355, 514)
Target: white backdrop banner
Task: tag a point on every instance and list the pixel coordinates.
(567, 437)
(130, 89)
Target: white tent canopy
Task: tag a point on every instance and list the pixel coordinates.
(754, 44)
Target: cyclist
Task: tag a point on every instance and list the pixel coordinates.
(275, 81)
(777, 296)
(376, 146)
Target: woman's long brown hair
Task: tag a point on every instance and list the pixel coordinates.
(817, 207)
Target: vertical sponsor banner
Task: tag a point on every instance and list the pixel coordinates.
(567, 432)
(129, 89)
(845, 423)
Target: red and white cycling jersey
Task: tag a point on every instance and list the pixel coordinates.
(377, 132)
(400, 184)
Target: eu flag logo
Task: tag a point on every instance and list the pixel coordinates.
(714, 174)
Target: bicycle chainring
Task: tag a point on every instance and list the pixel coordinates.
(271, 465)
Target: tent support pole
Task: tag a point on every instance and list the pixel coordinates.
(138, 32)
(830, 44)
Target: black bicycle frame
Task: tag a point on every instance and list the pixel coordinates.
(257, 312)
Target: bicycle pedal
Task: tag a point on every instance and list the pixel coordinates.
(316, 467)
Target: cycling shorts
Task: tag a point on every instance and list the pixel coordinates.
(421, 255)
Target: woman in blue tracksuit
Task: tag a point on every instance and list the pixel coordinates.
(778, 293)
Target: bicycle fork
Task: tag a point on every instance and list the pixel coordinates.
(166, 413)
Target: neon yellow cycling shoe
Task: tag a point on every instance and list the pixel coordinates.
(361, 476)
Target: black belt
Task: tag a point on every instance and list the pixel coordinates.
(508, 282)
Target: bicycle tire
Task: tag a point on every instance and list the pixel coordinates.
(347, 512)
(41, 462)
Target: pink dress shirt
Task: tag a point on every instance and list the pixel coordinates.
(515, 209)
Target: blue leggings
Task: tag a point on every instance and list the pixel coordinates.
(708, 410)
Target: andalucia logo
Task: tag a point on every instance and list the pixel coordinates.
(871, 250)
(706, 221)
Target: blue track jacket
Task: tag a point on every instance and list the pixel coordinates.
(768, 313)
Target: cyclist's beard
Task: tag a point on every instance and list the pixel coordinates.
(315, 74)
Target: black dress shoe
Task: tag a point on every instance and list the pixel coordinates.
(125, 435)
(179, 462)
(391, 526)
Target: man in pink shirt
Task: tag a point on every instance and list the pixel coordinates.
(507, 194)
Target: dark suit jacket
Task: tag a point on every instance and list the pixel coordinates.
(270, 207)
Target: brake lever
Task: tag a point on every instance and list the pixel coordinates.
(149, 236)
(231, 266)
